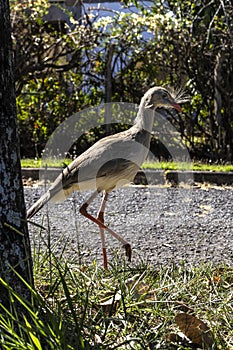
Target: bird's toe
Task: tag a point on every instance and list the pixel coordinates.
(128, 251)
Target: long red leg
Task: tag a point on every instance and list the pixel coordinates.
(100, 217)
(83, 211)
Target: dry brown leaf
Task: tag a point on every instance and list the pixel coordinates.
(143, 289)
(225, 274)
(140, 289)
(196, 330)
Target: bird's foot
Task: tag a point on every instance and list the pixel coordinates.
(128, 251)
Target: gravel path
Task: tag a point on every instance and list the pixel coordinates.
(164, 225)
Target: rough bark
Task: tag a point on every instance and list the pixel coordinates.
(14, 239)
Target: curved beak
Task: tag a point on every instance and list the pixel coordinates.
(176, 106)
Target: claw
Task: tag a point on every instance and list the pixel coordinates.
(128, 251)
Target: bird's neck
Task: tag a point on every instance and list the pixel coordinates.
(145, 118)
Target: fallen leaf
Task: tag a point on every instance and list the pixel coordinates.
(196, 330)
(140, 289)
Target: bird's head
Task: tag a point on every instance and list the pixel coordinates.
(158, 97)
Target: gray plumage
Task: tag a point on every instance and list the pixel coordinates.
(110, 162)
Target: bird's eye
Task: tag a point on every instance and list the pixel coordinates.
(165, 94)
(148, 100)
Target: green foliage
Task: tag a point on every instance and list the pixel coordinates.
(182, 43)
(47, 104)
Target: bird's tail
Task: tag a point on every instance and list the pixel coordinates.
(38, 205)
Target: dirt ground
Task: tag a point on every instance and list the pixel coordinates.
(164, 225)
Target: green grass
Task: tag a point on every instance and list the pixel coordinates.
(187, 166)
(85, 307)
(37, 163)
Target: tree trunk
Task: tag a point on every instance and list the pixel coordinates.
(108, 89)
(218, 100)
(15, 253)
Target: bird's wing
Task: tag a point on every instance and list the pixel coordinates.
(103, 165)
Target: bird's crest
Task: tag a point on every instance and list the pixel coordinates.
(179, 95)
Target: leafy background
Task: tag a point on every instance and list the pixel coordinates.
(117, 57)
